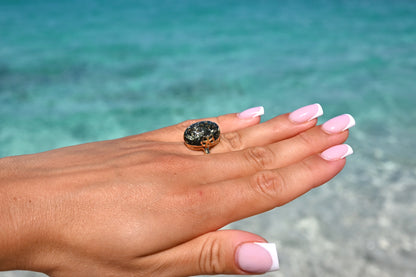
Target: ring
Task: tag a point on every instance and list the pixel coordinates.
(202, 135)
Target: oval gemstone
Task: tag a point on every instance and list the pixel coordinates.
(198, 133)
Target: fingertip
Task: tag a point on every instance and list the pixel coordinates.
(251, 113)
(237, 121)
(306, 113)
(326, 167)
(337, 152)
(257, 257)
(221, 252)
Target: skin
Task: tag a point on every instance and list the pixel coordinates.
(146, 205)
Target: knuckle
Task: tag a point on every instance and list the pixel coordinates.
(307, 170)
(210, 259)
(184, 124)
(305, 139)
(307, 167)
(261, 156)
(269, 184)
(233, 140)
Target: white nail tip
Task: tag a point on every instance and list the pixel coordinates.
(351, 122)
(251, 113)
(259, 112)
(349, 150)
(319, 112)
(271, 248)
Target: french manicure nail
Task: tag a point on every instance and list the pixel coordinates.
(338, 124)
(337, 152)
(257, 257)
(306, 113)
(251, 113)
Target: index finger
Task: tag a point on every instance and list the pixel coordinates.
(227, 123)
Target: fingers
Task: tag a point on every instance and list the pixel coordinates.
(276, 129)
(235, 131)
(219, 252)
(265, 190)
(238, 132)
(276, 155)
(227, 123)
(230, 165)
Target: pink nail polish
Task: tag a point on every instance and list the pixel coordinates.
(337, 152)
(257, 257)
(338, 124)
(306, 113)
(251, 113)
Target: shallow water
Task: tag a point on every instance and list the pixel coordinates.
(77, 71)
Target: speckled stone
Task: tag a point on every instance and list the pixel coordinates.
(200, 132)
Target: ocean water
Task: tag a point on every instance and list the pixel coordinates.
(79, 71)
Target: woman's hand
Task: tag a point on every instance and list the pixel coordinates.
(146, 205)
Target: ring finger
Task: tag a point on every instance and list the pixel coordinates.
(273, 130)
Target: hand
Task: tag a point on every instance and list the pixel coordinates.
(146, 205)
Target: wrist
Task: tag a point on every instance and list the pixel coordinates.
(20, 221)
(8, 242)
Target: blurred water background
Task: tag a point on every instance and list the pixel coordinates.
(79, 71)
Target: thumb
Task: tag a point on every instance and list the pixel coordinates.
(219, 252)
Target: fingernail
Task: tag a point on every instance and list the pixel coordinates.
(337, 152)
(257, 257)
(251, 113)
(306, 113)
(338, 124)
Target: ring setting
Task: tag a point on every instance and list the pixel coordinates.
(202, 135)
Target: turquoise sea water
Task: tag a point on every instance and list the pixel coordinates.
(78, 71)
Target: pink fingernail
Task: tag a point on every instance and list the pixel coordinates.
(306, 113)
(337, 152)
(338, 124)
(251, 113)
(257, 257)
